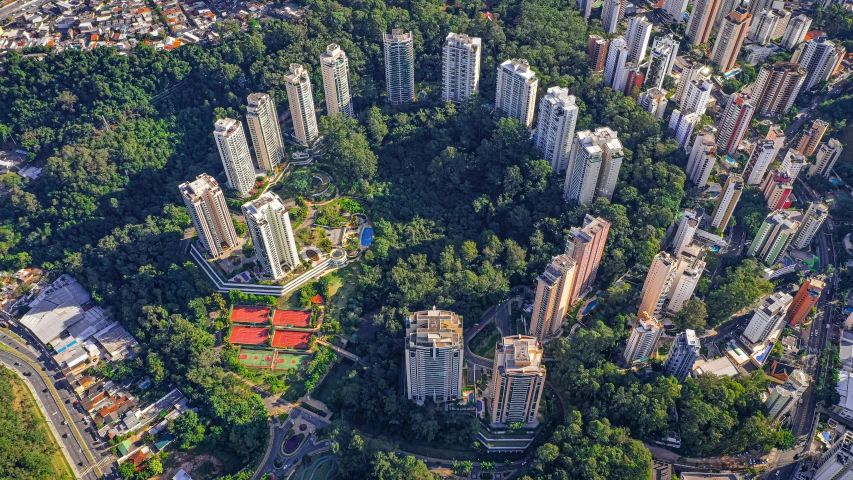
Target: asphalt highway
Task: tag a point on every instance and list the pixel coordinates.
(89, 455)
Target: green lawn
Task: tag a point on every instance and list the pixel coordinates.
(321, 468)
(483, 344)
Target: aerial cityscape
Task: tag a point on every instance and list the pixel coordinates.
(533, 239)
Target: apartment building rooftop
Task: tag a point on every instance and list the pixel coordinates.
(521, 354)
(434, 328)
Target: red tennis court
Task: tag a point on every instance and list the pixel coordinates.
(248, 335)
(291, 318)
(286, 339)
(245, 314)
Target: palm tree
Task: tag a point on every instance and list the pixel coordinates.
(508, 463)
(467, 466)
(487, 466)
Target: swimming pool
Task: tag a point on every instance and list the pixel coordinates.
(730, 160)
(715, 248)
(366, 237)
(589, 307)
(835, 181)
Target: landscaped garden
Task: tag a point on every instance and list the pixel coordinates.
(483, 344)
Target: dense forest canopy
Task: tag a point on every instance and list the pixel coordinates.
(464, 208)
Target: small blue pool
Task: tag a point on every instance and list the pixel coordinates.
(589, 307)
(835, 181)
(730, 160)
(732, 73)
(715, 248)
(366, 237)
(826, 437)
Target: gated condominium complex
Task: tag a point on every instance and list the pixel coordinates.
(335, 67)
(265, 131)
(460, 67)
(518, 379)
(301, 98)
(399, 66)
(234, 152)
(269, 226)
(516, 91)
(434, 356)
(209, 212)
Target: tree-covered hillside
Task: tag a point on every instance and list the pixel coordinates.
(463, 206)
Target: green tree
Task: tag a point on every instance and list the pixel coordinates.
(346, 149)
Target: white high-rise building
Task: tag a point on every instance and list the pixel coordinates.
(825, 159)
(517, 382)
(555, 129)
(637, 36)
(783, 397)
(653, 101)
(682, 355)
(684, 233)
(262, 118)
(661, 60)
(688, 74)
(674, 10)
(797, 29)
(696, 98)
(701, 21)
(269, 226)
(399, 66)
(837, 462)
(643, 340)
(761, 158)
(782, 24)
(769, 316)
(434, 356)
(209, 213)
(596, 157)
(815, 56)
(683, 122)
(617, 56)
(234, 152)
(460, 68)
(728, 201)
(688, 273)
(301, 98)
(553, 294)
(702, 158)
(763, 27)
(335, 67)
(793, 163)
(662, 273)
(516, 90)
(585, 7)
(611, 14)
(814, 217)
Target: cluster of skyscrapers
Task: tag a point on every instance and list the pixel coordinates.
(568, 277)
(434, 361)
(267, 221)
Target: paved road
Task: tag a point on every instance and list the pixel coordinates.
(19, 6)
(280, 433)
(59, 399)
(803, 418)
(51, 409)
(501, 317)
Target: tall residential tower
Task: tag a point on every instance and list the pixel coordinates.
(209, 212)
